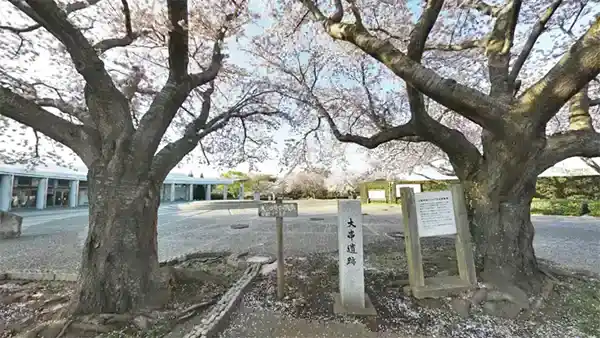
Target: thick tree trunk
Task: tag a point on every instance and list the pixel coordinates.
(119, 267)
(501, 226)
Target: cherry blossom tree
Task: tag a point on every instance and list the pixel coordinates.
(131, 87)
(502, 88)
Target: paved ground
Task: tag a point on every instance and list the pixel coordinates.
(53, 239)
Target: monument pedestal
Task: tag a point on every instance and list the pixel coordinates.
(438, 287)
(368, 311)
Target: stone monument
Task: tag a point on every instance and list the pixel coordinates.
(352, 298)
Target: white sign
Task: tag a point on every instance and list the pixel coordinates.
(278, 210)
(435, 213)
(351, 260)
(415, 187)
(376, 194)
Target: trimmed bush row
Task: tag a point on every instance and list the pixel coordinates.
(563, 207)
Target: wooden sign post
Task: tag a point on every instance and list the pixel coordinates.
(279, 210)
(438, 213)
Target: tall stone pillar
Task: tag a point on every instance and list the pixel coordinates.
(172, 193)
(6, 187)
(225, 190)
(241, 197)
(207, 192)
(42, 191)
(74, 194)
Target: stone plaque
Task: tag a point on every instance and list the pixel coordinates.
(351, 261)
(435, 213)
(278, 210)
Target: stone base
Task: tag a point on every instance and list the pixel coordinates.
(368, 311)
(438, 287)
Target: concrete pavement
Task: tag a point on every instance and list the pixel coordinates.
(53, 240)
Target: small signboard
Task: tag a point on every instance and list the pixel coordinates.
(435, 213)
(376, 195)
(278, 210)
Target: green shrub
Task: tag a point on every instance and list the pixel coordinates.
(563, 207)
(574, 187)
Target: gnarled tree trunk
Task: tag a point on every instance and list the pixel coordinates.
(120, 269)
(499, 199)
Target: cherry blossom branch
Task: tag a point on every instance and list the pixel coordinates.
(70, 8)
(471, 103)
(465, 45)
(570, 74)
(537, 30)
(166, 103)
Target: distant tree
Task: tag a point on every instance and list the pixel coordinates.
(307, 184)
(241, 179)
(262, 183)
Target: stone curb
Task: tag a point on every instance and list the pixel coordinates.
(218, 316)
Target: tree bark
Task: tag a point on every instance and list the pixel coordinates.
(499, 201)
(120, 270)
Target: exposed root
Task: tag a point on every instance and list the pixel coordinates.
(191, 310)
(59, 328)
(544, 295)
(179, 275)
(99, 328)
(64, 329)
(46, 330)
(547, 273)
(56, 299)
(115, 318)
(551, 269)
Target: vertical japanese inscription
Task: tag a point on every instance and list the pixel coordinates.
(351, 247)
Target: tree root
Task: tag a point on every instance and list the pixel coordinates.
(64, 329)
(59, 328)
(552, 270)
(179, 275)
(544, 295)
(93, 327)
(56, 299)
(191, 310)
(49, 329)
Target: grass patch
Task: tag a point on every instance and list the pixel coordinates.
(563, 207)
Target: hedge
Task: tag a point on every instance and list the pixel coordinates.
(563, 207)
(576, 187)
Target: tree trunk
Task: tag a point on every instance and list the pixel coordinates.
(119, 267)
(501, 225)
